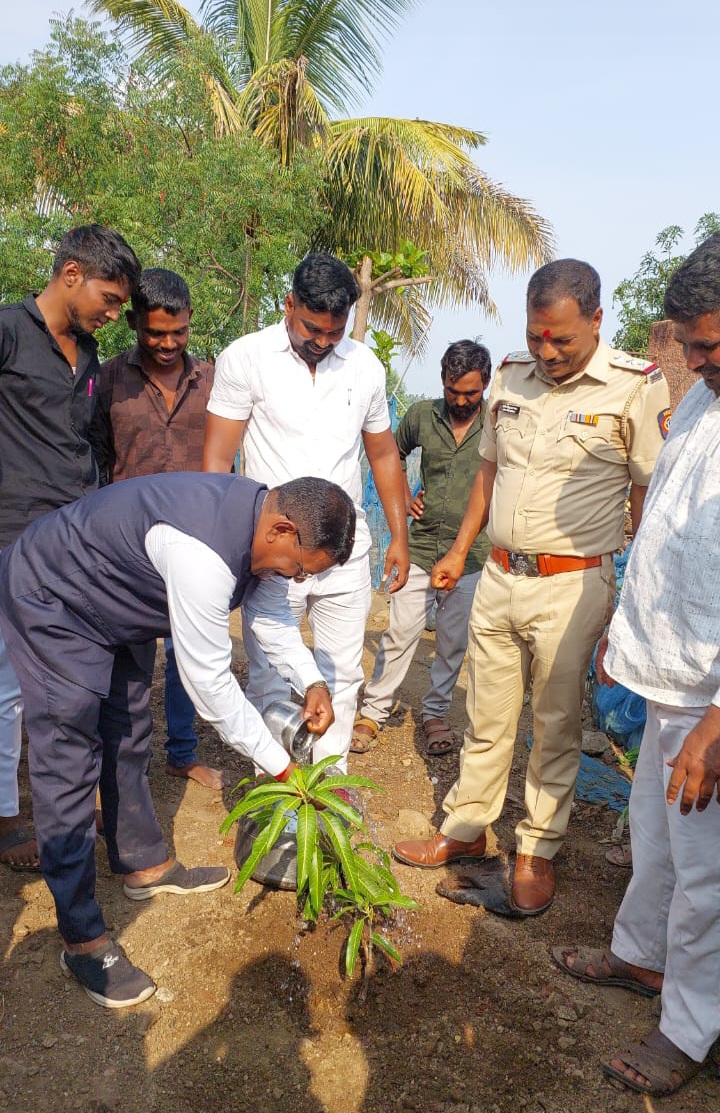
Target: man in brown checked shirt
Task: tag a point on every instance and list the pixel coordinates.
(150, 417)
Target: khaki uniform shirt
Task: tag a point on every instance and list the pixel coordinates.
(566, 451)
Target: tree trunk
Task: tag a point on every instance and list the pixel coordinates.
(363, 273)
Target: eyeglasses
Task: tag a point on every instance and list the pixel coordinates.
(301, 576)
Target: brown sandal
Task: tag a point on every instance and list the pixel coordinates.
(363, 740)
(439, 737)
(619, 855)
(656, 1058)
(608, 969)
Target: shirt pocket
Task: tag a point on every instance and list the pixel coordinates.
(583, 447)
(513, 438)
(343, 415)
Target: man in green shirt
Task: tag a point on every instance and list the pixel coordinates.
(447, 430)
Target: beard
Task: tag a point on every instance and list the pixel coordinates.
(312, 355)
(463, 413)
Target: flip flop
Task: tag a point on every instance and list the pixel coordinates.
(17, 837)
(620, 855)
(595, 957)
(363, 741)
(656, 1058)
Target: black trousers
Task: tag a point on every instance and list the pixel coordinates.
(78, 741)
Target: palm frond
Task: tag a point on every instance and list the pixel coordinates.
(280, 107)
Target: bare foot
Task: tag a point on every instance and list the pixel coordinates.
(203, 774)
(18, 848)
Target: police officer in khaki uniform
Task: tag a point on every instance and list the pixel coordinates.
(570, 423)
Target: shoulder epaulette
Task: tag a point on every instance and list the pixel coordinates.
(633, 363)
(518, 357)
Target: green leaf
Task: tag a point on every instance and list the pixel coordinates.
(313, 773)
(306, 843)
(385, 945)
(333, 804)
(352, 947)
(258, 850)
(316, 890)
(266, 840)
(348, 780)
(401, 901)
(337, 833)
(372, 884)
(252, 804)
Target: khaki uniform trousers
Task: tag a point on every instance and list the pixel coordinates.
(523, 627)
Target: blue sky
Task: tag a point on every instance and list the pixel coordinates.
(603, 116)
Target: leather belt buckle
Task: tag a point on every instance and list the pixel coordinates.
(522, 564)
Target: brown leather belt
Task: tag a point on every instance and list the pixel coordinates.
(541, 564)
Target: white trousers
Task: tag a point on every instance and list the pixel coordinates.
(670, 917)
(409, 613)
(337, 604)
(10, 724)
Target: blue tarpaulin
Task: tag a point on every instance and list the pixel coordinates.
(598, 783)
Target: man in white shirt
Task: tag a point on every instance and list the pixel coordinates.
(304, 400)
(663, 644)
(84, 593)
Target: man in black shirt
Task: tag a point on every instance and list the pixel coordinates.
(48, 366)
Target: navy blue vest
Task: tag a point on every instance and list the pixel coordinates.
(78, 583)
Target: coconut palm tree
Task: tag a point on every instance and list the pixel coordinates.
(286, 70)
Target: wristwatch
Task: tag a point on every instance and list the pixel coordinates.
(317, 684)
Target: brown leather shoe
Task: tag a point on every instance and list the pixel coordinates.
(533, 887)
(440, 850)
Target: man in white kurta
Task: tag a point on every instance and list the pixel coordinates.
(664, 643)
(304, 400)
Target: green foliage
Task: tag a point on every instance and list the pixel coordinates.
(354, 880)
(640, 298)
(280, 69)
(86, 136)
(408, 262)
(385, 347)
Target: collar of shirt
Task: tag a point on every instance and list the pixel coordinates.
(597, 368)
(189, 371)
(87, 344)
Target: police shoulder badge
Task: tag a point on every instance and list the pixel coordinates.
(517, 357)
(633, 363)
(664, 422)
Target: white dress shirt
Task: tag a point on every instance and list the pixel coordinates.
(300, 424)
(199, 589)
(665, 636)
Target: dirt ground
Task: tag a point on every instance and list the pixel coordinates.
(252, 1015)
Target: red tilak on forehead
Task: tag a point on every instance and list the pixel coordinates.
(546, 334)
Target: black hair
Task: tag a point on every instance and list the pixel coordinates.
(100, 253)
(325, 284)
(565, 278)
(694, 289)
(323, 513)
(464, 356)
(158, 288)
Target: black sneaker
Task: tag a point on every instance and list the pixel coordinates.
(178, 879)
(108, 977)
